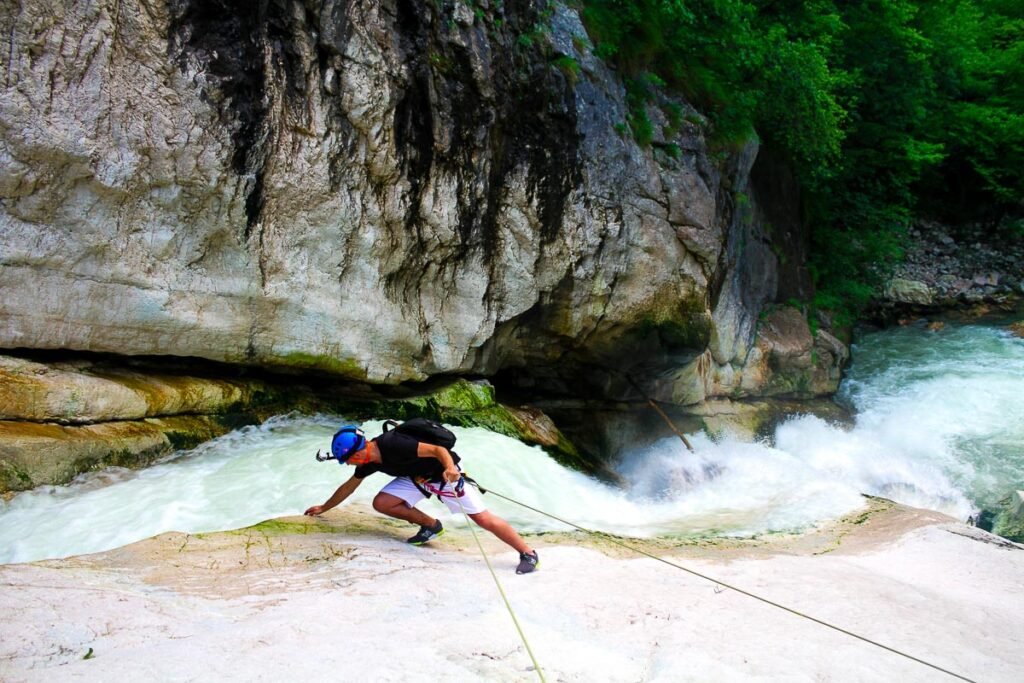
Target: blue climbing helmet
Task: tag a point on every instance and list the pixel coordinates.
(347, 441)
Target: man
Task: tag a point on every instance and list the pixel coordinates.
(420, 469)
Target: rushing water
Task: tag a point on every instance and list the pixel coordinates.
(940, 425)
(949, 405)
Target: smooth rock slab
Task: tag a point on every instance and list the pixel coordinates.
(269, 603)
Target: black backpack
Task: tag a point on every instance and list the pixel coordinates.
(424, 430)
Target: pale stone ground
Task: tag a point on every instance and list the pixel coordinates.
(343, 598)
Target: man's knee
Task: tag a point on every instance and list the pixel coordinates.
(385, 502)
(485, 520)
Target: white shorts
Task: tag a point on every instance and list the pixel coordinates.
(471, 500)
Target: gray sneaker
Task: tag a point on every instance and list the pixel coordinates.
(528, 562)
(427, 533)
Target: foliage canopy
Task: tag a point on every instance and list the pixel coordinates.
(886, 110)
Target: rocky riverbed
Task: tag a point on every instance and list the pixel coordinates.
(948, 270)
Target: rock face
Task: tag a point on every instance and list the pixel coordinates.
(84, 393)
(58, 420)
(386, 191)
(1009, 521)
(789, 361)
(33, 454)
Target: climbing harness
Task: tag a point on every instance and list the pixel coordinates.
(508, 606)
(615, 541)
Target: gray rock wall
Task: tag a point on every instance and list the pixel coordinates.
(384, 190)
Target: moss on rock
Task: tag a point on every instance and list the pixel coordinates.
(1009, 521)
(462, 395)
(466, 403)
(344, 367)
(691, 330)
(13, 478)
(278, 527)
(529, 426)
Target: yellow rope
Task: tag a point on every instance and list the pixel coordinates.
(536, 665)
(614, 540)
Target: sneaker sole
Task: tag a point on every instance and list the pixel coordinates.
(439, 534)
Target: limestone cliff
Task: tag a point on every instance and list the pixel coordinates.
(385, 190)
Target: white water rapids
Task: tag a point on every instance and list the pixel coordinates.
(940, 424)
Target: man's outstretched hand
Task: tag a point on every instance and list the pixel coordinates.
(315, 510)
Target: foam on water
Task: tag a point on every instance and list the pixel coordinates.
(948, 407)
(940, 425)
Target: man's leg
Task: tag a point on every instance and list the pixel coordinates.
(399, 499)
(393, 506)
(502, 529)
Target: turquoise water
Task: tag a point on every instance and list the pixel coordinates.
(940, 425)
(952, 399)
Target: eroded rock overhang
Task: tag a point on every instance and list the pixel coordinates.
(383, 191)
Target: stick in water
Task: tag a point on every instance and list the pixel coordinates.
(661, 412)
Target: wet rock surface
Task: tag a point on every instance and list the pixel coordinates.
(61, 418)
(35, 454)
(1006, 520)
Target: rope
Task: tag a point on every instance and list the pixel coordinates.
(501, 590)
(722, 583)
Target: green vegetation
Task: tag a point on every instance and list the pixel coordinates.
(13, 478)
(473, 404)
(569, 66)
(279, 527)
(345, 367)
(886, 110)
(690, 331)
(441, 62)
(465, 396)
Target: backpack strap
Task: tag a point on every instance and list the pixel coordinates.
(389, 425)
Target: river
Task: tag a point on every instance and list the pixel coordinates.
(940, 425)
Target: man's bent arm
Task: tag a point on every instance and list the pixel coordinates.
(426, 450)
(343, 492)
